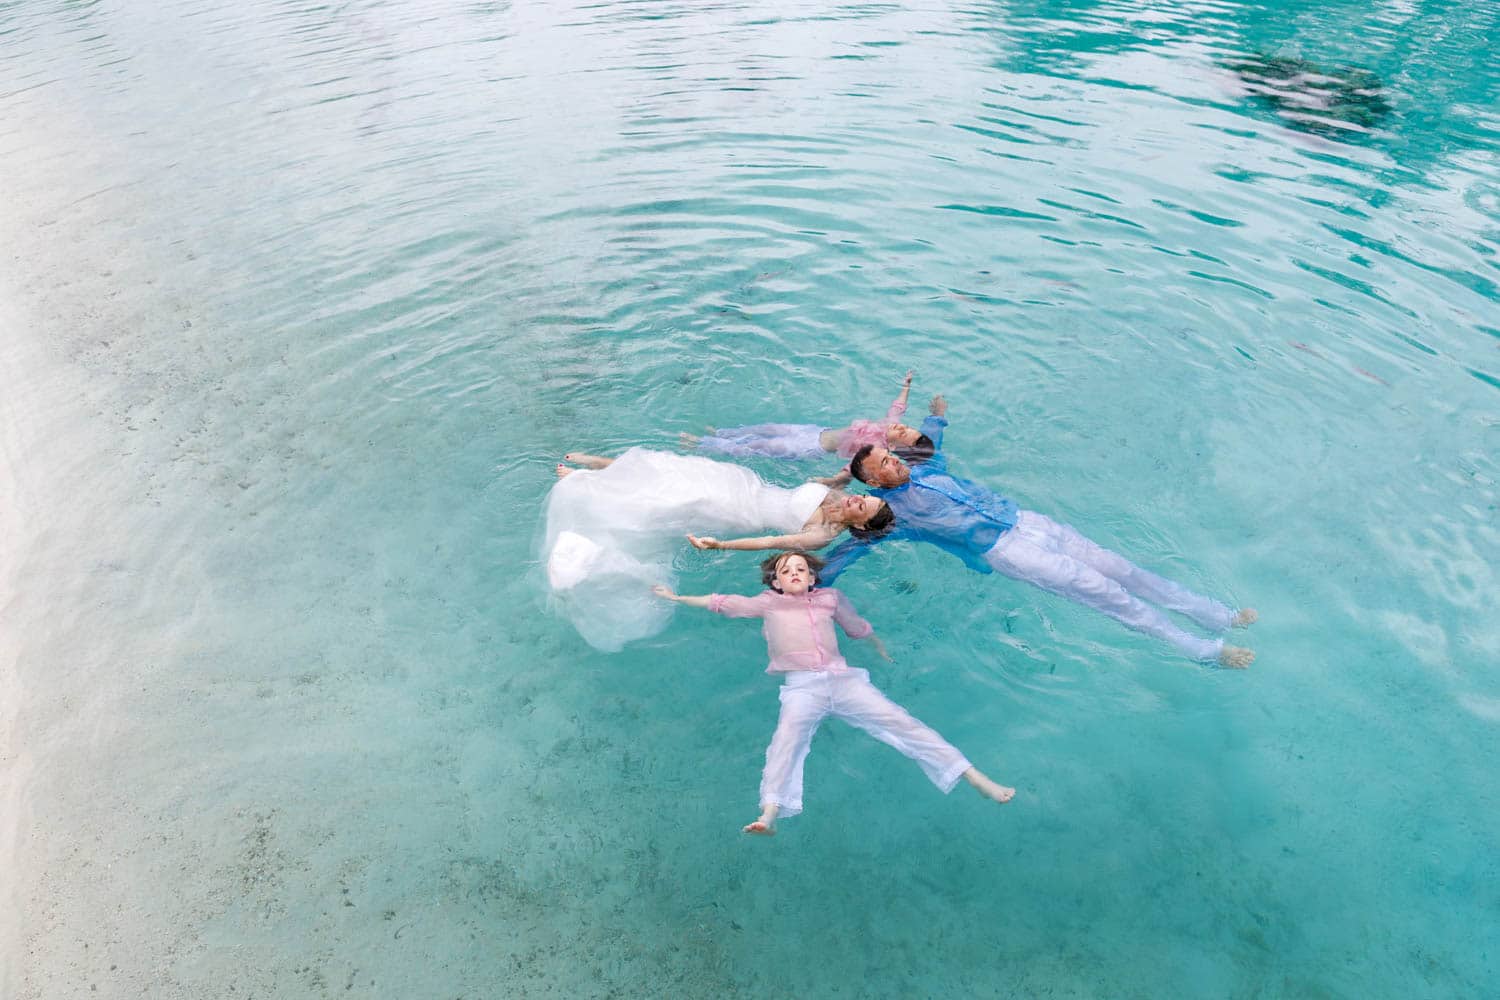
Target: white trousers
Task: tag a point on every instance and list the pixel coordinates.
(771, 440)
(1055, 557)
(809, 696)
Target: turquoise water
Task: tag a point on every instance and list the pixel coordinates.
(301, 303)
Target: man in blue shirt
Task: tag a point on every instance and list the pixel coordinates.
(989, 532)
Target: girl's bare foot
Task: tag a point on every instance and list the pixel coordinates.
(1245, 616)
(1236, 657)
(765, 826)
(563, 471)
(989, 789)
(687, 442)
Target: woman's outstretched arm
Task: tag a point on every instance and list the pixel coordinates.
(814, 538)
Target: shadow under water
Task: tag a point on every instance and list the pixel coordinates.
(1333, 102)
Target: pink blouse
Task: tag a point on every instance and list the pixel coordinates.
(798, 629)
(872, 432)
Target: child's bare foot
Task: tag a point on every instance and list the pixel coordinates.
(586, 460)
(563, 471)
(1245, 616)
(1236, 657)
(988, 788)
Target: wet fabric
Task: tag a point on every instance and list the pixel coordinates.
(871, 432)
(1057, 558)
(958, 515)
(769, 440)
(798, 627)
(611, 534)
(808, 697)
(799, 440)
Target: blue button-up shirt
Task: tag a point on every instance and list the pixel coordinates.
(934, 506)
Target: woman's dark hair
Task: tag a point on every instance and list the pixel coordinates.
(879, 523)
(919, 450)
(768, 567)
(860, 456)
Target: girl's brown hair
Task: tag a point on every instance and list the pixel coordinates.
(770, 565)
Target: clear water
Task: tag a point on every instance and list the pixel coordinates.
(302, 302)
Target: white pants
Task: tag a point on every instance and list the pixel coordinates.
(771, 440)
(1055, 557)
(808, 697)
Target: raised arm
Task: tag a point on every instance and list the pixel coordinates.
(933, 425)
(812, 538)
(899, 406)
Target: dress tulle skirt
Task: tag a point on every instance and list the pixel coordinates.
(612, 533)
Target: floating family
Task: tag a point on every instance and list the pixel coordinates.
(614, 525)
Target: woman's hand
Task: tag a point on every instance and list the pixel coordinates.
(705, 542)
(663, 591)
(906, 382)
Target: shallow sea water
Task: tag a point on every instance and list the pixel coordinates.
(301, 303)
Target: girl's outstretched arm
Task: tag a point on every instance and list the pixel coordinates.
(899, 406)
(815, 538)
(663, 591)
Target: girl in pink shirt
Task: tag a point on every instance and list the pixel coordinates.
(798, 626)
(815, 440)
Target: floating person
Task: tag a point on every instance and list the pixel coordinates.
(817, 683)
(815, 440)
(1332, 102)
(990, 533)
(613, 526)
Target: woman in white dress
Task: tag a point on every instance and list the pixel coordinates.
(614, 525)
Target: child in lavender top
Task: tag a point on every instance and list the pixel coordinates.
(798, 626)
(815, 440)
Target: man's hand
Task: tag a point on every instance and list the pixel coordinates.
(836, 481)
(938, 407)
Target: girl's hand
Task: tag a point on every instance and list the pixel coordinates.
(880, 648)
(663, 591)
(703, 543)
(938, 406)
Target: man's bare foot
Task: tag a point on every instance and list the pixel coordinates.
(1245, 616)
(586, 460)
(688, 442)
(1236, 657)
(989, 789)
(563, 471)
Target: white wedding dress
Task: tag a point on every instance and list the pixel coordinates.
(612, 532)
